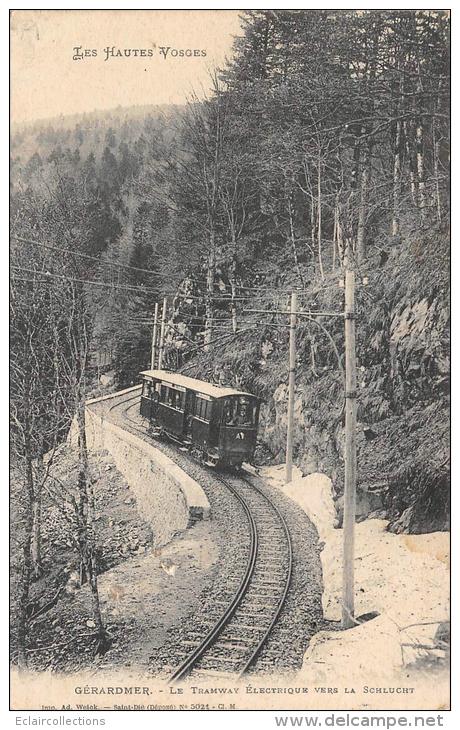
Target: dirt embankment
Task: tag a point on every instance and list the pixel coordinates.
(143, 590)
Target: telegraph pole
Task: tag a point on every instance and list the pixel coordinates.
(162, 334)
(154, 337)
(292, 364)
(349, 498)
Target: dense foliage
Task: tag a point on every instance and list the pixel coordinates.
(325, 136)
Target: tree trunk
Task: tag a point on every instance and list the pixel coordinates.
(213, 195)
(95, 596)
(362, 210)
(436, 149)
(408, 134)
(356, 160)
(293, 243)
(334, 239)
(313, 224)
(349, 217)
(83, 467)
(340, 243)
(420, 154)
(420, 168)
(210, 274)
(24, 583)
(86, 515)
(319, 212)
(395, 225)
(36, 537)
(89, 562)
(233, 281)
(37, 519)
(436, 173)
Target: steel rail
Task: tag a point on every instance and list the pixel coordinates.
(189, 662)
(212, 636)
(122, 403)
(287, 584)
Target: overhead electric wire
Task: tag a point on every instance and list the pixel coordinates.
(129, 287)
(111, 285)
(83, 255)
(201, 346)
(301, 291)
(215, 296)
(101, 261)
(299, 314)
(141, 289)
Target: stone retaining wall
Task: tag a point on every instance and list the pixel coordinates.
(166, 496)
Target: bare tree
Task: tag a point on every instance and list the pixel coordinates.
(36, 426)
(205, 128)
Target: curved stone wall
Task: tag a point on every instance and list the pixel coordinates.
(166, 496)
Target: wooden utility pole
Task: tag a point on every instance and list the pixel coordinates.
(154, 337)
(349, 498)
(292, 363)
(162, 334)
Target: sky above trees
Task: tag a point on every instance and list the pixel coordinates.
(47, 82)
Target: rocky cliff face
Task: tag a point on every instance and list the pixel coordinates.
(403, 387)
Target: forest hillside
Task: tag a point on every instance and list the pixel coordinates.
(327, 135)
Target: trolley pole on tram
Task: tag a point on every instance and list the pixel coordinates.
(291, 396)
(162, 334)
(349, 498)
(154, 338)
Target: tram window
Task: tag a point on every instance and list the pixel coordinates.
(178, 398)
(244, 413)
(203, 408)
(164, 393)
(146, 388)
(239, 411)
(228, 413)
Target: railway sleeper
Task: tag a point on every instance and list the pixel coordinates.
(265, 588)
(237, 639)
(226, 645)
(255, 599)
(218, 659)
(206, 673)
(247, 627)
(255, 611)
(271, 546)
(269, 576)
(267, 581)
(261, 599)
(271, 595)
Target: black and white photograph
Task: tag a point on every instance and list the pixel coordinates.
(229, 360)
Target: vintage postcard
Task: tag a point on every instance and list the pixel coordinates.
(229, 358)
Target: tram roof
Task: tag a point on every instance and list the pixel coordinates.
(216, 391)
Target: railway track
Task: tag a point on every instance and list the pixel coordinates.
(253, 600)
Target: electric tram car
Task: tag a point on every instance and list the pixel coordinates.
(218, 424)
